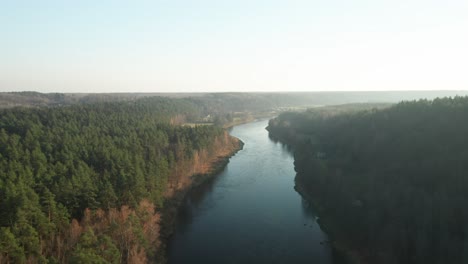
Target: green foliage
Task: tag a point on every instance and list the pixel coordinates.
(10, 247)
(56, 162)
(392, 182)
(96, 250)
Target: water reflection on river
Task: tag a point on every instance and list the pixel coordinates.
(250, 213)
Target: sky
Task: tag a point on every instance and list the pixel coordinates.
(237, 45)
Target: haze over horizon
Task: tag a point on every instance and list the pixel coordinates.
(236, 46)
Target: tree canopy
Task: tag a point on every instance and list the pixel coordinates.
(58, 162)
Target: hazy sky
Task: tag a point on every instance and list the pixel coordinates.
(236, 45)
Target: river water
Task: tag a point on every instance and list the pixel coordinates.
(250, 212)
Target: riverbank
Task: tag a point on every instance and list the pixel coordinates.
(169, 213)
(339, 247)
(249, 213)
(248, 118)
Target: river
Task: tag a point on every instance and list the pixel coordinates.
(250, 212)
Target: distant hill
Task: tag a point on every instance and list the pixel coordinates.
(254, 101)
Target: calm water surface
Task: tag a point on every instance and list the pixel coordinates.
(249, 213)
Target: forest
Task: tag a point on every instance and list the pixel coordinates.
(390, 184)
(225, 102)
(85, 183)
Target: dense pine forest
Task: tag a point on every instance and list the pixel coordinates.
(391, 184)
(85, 183)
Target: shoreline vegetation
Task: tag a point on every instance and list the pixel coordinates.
(347, 256)
(389, 184)
(215, 165)
(88, 183)
(283, 129)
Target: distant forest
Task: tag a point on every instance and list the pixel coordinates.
(390, 184)
(233, 102)
(81, 183)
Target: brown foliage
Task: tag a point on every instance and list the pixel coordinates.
(133, 231)
(201, 163)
